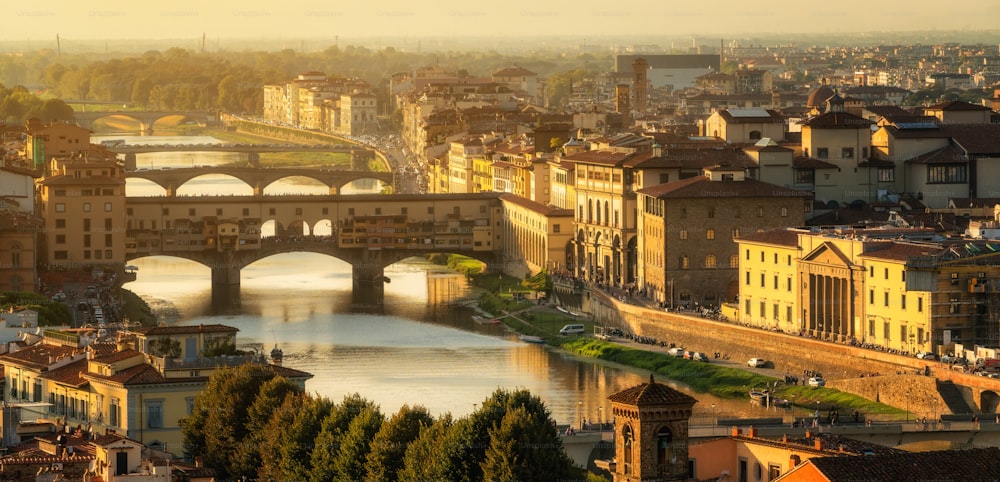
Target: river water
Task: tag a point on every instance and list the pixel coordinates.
(423, 349)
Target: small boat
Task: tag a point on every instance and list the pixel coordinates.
(781, 402)
(564, 310)
(276, 355)
(532, 339)
(482, 320)
(759, 396)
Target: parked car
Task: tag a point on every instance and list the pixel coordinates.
(817, 382)
(756, 362)
(924, 355)
(699, 356)
(677, 352)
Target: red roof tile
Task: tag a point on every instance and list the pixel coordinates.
(652, 393)
(703, 187)
(777, 237)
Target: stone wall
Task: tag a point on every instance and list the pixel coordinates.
(899, 381)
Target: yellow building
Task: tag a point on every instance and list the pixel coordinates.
(538, 236)
(116, 388)
(82, 199)
(899, 289)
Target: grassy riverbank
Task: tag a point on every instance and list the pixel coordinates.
(136, 308)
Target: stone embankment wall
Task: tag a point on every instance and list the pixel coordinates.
(895, 380)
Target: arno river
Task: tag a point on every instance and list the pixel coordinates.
(423, 349)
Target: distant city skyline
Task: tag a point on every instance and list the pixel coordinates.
(254, 19)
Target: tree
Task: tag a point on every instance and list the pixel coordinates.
(348, 464)
(539, 282)
(272, 395)
(332, 430)
(269, 450)
(525, 446)
(297, 440)
(388, 447)
(217, 424)
(420, 460)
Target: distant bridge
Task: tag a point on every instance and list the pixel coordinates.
(146, 119)
(368, 231)
(258, 178)
(247, 148)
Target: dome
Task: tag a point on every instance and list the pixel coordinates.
(817, 98)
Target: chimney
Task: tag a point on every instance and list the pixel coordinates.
(752, 432)
(736, 431)
(809, 434)
(818, 444)
(793, 461)
(784, 438)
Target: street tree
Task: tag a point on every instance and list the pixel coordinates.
(388, 448)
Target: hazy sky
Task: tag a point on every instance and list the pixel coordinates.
(173, 19)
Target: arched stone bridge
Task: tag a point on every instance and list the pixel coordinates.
(257, 178)
(370, 231)
(247, 148)
(146, 119)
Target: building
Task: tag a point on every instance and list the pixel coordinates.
(959, 112)
(843, 140)
(539, 237)
(687, 249)
(901, 289)
(520, 80)
(58, 139)
(745, 125)
(675, 71)
(82, 199)
(651, 433)
(358, 114)
(19, 234)
(118, 387)
(969, 464)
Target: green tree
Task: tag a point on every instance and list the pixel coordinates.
(388, 448)
(269, 450)
(349, 462)
(420, 462)
(296, 440)
(218, 422)
(272, 395)
(525, 447)
(332, 430)
(539, 282)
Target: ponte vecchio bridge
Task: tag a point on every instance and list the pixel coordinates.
(368, 231)
(258, 178)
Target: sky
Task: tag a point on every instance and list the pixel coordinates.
(174, 19)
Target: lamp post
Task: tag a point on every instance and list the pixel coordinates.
(715, 421)
(579, 412)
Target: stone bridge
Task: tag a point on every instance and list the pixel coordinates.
(247, 148)
(370, 232)
(258, 178)
(146, 119)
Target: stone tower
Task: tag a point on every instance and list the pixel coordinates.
(622, 101)
(651, 433)
(640, 68)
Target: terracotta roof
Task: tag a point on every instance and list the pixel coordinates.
(944, 155)
(117, 356)
(515, 71)
(777, 237)
(71, 374)
(550, 211)
(290, 372)
(607, 158)
(771, 116)
(690, 158)
(187, 329)
(976, 138)
(703, 187)
(956, 105)
(980, 464)
(894, 251)
(39, 355)
(144, 374)
(837, 120)
(84, 181)
(831, 444)
(652, 393)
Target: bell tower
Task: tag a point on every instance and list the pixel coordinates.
(651, 433)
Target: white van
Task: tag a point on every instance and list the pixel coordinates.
(575, 329)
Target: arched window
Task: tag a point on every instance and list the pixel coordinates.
(607, 213)
(734, 261)
(683, 233)
(710, 234)
(684, 262)
(664, 449)
(710, 261)
(590, 211)
(755, 135)
(627, 448)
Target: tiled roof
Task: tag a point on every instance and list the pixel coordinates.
(976, 138)
(71, 374)
(515, 71)
(39, 355)
(652, 393)
(837, 120)
(117, 356)
(144, 374)
(893, 251)
(972, 465)
(944, 155)
(772, 116)
(85, 181)
(777, 237)
(187, 329)
(831, 444)
(956, 105)
(810, 163)
(290, 372)
(703, 187)
(537, 207)
(607, 158)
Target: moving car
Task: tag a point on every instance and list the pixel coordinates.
(756, 362)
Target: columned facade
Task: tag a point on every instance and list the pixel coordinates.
(831, 286)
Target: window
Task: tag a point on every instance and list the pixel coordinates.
(902, 301)
(822, 153)
(555, 228)
(60, 223)
(114, 415)
(775, 283)
(107, 224)
(748, 254)
(107, 207)
(683, 234)
(871, 297)
(788, 313)
(189, 401)
(684, 212)
(154, 413)
(684, 262)
(711, 212)
(885, 299)
(86, 207)
(747, 307)
(762, 284)
(86, 225)
(788, 286)
(760, 212)
(886, 275)
(947, 174)
(710, 261)
(86, 240)
(847, 153)
(60, 239)
(60, 208)
(886, 174)
(774, 311)
(246, 211)
(191, 211)
(736, 233)
(920, 305)
(664, 178)
(763, 309)
(748, 278)
(805, 176)
(784, 212)
(734, 261)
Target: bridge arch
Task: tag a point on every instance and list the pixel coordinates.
(989, 401)
(259, 180)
